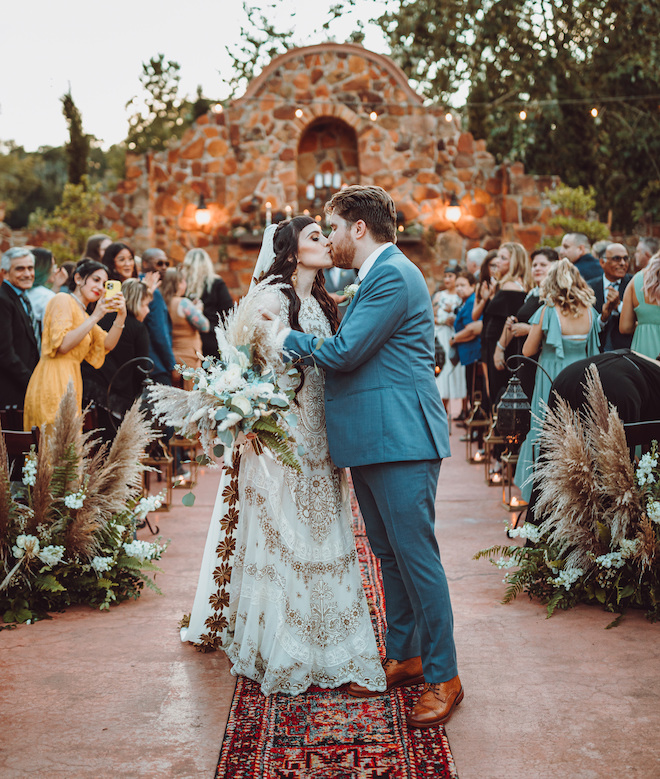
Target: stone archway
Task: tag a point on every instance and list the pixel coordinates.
(328, 145)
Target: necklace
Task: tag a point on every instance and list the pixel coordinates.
(79, 302)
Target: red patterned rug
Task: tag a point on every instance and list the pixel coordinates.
(326, 734)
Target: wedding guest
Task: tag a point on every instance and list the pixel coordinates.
(609, 290)
(96, 246)
(188, 321)
(485, 289)
(474, 259)
(62, 277)
(576, 248)
(70, 335)
(154, 265)
(336, 281)
(39, 293)
(467, 336)
(646, 247)
(19, 345)
(203, 283)
(640, 313)
(119, 259)
(446, 301)
(565, 329)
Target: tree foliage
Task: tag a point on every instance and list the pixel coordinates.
(77, 149)
(72, 221)
(556, 61)
(576, 214)
(163, 114)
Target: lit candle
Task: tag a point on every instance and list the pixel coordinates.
(327, 179)
(310, 192)
(288, 211)
(336, 180)
(269, 213)
(318, 180)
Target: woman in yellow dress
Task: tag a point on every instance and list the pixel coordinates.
(70, 335)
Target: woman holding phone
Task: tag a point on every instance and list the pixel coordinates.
(71, 335)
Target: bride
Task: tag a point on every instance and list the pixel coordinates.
(286, 602)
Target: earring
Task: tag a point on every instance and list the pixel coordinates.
(294, 278)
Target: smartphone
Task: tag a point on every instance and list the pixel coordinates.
(112, 288)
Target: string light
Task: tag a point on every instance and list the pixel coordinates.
(448, 117)
(594, 112)
(218, 108)
(299, 113)
(373, 116)
(523, 115)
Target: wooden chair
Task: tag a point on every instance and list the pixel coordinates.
(18, 444)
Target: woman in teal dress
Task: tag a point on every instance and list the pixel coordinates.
(640, 313)
(566, 330)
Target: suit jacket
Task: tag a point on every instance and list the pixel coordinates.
(610, 337)
(19, 352)
(381, 400)
(346, 277)
(589, 267)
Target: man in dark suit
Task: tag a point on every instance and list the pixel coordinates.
(576, 248)
(19, 345)
(336, 281)
(609, 289)
(158, 321)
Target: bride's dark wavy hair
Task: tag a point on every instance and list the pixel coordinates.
(285, 245)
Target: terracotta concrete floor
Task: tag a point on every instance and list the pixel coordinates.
(93, 695)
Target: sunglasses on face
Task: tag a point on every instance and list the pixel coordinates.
(618, 258)
(162, 263)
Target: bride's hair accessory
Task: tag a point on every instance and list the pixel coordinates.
(266, 256)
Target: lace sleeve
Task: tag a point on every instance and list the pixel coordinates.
(58, 321)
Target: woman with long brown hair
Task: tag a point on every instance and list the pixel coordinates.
(295, 551)
(640, 313)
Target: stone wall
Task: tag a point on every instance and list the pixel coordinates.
(334, 108)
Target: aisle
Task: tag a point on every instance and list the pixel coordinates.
(91, 695)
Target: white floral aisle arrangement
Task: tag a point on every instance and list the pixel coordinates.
(245, 396)
(599, 538)
(67, 529)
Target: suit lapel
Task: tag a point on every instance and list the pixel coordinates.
(22, 315)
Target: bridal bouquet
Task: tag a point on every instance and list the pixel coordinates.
(244, 396)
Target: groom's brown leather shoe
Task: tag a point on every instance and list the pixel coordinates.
(399, 673)
(436, 704)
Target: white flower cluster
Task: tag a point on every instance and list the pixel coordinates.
(567, 577)
(526, 531)
(30, 470)
(145, 505)
(611, 560)
(653, 510)
(503, 563)
(645, 468)
(142, 550)
(101, 564)
(25, 545)
(51, 555)
(75, 500)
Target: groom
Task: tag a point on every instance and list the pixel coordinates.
(387, 423)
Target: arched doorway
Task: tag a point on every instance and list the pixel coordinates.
(327, 159)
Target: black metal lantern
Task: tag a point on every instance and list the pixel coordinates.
(514, 415)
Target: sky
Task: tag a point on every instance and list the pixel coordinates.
(97, 50)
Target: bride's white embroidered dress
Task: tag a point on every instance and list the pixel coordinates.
(280, 589)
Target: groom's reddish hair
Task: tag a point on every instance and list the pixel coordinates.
(370, 204)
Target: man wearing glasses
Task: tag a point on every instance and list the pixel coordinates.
(158, 322)
(609, 289)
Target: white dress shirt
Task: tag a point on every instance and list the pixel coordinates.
(375, 254)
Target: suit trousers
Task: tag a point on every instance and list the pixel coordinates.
(397, 501)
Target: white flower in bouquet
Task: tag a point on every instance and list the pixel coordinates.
(148, 504)
(645, 468)
(30, 470)
(143, 550)
(26, 545)
(653, 510)
(102, 564)
(51, 555)
(75, 500)
(349, 292)
(567, 577)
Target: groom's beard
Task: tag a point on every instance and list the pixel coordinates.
(343, 254)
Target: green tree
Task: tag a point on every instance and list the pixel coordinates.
(77, 149)
(165, 114)
(554, 61)
(76, 218)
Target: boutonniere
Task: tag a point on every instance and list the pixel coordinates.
(349, 291)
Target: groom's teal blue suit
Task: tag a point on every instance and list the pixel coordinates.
(387, 423)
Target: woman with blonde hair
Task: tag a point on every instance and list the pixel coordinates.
(188, 321)
(640, 314)
(565, 329)
(204, 284)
